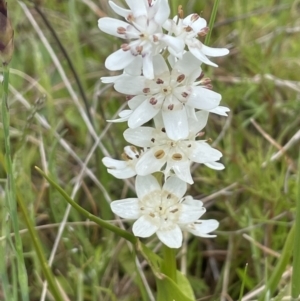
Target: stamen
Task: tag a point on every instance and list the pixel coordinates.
(121, 30)
(125, 47)
(184, 94)
(159, 154)
(180, 78)
(180, 12)
(128, 97)
(139, 49)
(203, 32)
(159, 81)
(146, 90)
(153, 101)
(194, 17)
(188, 29)
(155, 38)
(177, 157)
(170, 107)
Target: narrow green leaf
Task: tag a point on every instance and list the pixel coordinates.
(126, 235)
(11, 190)
(296, 262)
(39, 251)
(212, 21)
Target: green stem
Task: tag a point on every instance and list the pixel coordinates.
(169, 263)
(296, 262)
(11, 189)
(212, 21)
(131, 238)
(40, 253)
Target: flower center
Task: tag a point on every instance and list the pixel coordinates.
(161, 208)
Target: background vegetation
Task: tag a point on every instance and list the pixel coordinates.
(55, 124)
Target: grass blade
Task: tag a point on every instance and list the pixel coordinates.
(296, 262)
(212, 21)
(11, 190)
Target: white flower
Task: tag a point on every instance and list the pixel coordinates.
(189, 29)
(164, 154)
(144, 28)
(169, 92)
(123, 169)
(158, 210)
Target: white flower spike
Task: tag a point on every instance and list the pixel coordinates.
(144, 29)
(163, 211)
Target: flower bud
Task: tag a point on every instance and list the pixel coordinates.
(6, 35)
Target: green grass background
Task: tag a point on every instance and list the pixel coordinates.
(254, 198)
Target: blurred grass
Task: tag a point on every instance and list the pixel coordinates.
(260, 83)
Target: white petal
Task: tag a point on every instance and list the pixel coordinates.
(135, 68)
(202, 152)
(175, 186)
(110, 26)
(145, 185)
(140, 136)
(134, 102)
(112, 163)
(176, 124)
(203, 99)
(148, 70)
(124, 116)
(158, 121)
(163, 12)
(202, 227)
(125, 173)
(190, 213)
(131, 85)
(138, 7)
(188, 64)
(127, 208)
(160, 65)
(195, 48)
(183, 171)
(171, 238)
(189, 200)
(168, 25)
(215, 165)
(119, 60)
(198, 125)
(220, 110)
(198, 24)
(119, 10)
(143, 228)
(214, 52)
(176, 44)
(142, 114)
(149, 164)
(110, 79)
